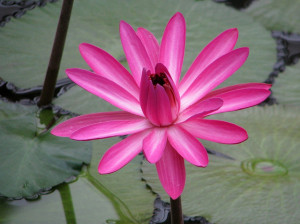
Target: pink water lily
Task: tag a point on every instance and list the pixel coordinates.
(162, 115)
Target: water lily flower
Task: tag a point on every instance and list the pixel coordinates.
(162, 115)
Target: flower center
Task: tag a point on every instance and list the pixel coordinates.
(159, 97)
(160, 79)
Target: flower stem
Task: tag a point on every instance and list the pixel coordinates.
(56, 54)
(66, 198)
(176, 211)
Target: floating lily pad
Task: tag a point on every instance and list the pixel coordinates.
(261, 184)
(32, 160)
(277, 14)
(125, 185)
(78, 202)
(26, 43)
(79, 101)
(286, 87)
(205, 20)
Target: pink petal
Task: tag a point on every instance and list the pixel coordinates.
(105, 89)
(163, 106)
(171, 172)
(172, 46)
(152, 108)
(187, 146)
(135, 51)
(150, 43)
(144, 91)
(104, 64)
(122, 153)
(67, 128)
(160, 68)
(219, 46)
(216, 131)
(200, 108)
(213, 75)
(154, 144)
(110, 129)
(253, 85)
(241, 99)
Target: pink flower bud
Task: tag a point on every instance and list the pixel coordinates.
(159, 97)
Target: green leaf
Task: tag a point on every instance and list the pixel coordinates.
(31, 160)
(78, 202)
(25, 43)
(286, 87)
(205, 20)
(277, 14)
(125, 185)
(80, 101)
(262, 182)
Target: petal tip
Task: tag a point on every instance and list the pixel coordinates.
(178, 14)
(178, 18)
(72, 72)
(140, 29)
(268, 85)
(246, 50)
(104, 169)
(242, 53)
(174, 192)
(55, 131)
(69, 71)
(123, 24)
(235, 32)
(84, 47)
(243, 137)
(176, 195)
(204, 162)
(152, 159)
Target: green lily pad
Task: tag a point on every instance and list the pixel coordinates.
(26, 43)
(205, 20)
(80, 101)
(32, 160)
(78, 202)
(259, 185)
(125, 185)
(277, 14)
(286, 87)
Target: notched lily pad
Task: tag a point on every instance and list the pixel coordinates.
(277, 14)
(261, 185)
(66, 204)
(31, 159)
(286, 88)
(26, 43)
